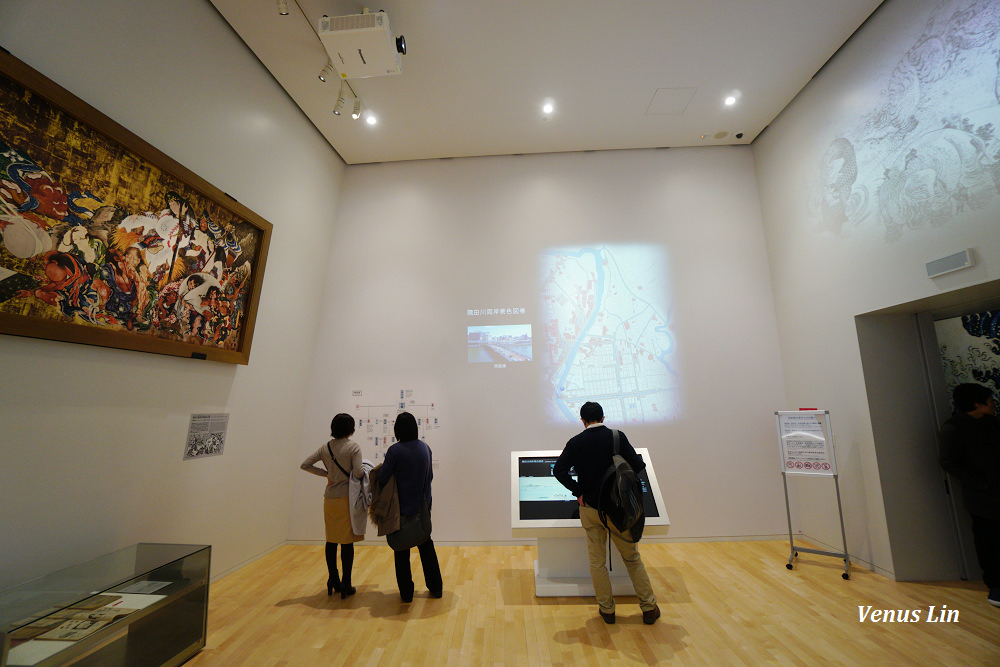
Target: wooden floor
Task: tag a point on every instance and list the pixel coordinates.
(723, 603)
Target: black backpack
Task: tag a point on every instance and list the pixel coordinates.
(621, 496)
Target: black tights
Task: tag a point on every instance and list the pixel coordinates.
(346, 561)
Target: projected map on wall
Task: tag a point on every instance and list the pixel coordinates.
(605, 333)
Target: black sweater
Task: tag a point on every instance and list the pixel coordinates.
(589, 454)
(970, 450)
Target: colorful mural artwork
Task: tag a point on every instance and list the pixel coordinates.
(95, 235)
(927, 148)
(970, 349)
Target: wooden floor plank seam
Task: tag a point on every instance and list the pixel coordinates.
(723, 603)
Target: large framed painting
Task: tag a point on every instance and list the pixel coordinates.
(105, 240)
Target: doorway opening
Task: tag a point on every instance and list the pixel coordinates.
(908, 400)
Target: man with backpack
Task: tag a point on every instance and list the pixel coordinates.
(590, 454)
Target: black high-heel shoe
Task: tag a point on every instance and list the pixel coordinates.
(333, 585)
(347, 590)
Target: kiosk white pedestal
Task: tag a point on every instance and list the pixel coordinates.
(563, 569)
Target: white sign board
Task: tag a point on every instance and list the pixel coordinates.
(806, 440)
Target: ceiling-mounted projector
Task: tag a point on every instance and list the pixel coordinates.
(362, 45)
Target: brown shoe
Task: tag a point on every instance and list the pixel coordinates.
(608, 618)
(649, 617)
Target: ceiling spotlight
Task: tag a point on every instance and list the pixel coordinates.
(401, 44)
(283, 7)
(327, 71)
(548, 108)
(370, 119)
(356, 114)
(730, 101)
(339, 106)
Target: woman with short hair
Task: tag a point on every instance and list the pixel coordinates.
(341, 459)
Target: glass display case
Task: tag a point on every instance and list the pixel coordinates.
(146, 604)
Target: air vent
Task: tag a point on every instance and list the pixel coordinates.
(956, 262)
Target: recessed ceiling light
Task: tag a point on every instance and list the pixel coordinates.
(548, 107)
(371, 119)
(730, 101)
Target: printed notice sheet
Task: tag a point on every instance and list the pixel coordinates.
(206, 435)
(44, 637)
(806, 443)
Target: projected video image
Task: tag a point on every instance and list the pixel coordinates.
(606, 333)
(542, 497)
(500, 343)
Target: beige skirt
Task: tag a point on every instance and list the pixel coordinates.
(337, 517)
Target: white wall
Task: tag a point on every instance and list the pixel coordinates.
(913, 92)
(91, 438)
(419, 243)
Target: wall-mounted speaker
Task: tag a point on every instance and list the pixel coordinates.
(956, 262)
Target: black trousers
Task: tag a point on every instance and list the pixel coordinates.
(986, 535)
(429, 563)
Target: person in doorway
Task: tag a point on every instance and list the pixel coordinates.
(341, 459)
(970, 450)
(409, 459)
(589, 454)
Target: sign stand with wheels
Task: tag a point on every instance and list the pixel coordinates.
(806, 441)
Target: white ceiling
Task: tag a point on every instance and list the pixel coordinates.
(625, 74)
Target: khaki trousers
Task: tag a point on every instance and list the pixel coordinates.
(597, 551)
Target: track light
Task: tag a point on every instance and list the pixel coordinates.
(339, 106)
(283, 7)
(356, 114)
(327, 71)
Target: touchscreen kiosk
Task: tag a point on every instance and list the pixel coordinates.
(543, 508)
(540, 505)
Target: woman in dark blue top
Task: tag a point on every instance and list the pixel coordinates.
(410, 461)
